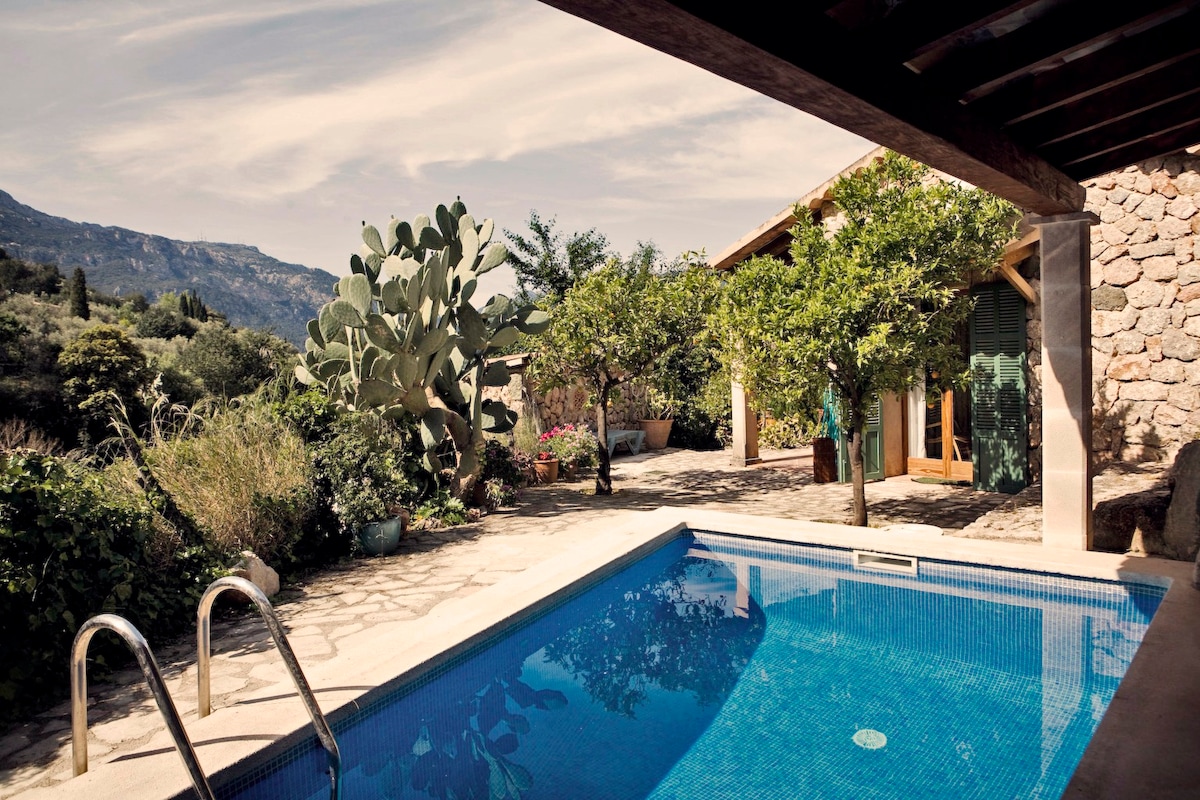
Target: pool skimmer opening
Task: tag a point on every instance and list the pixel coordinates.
(870, 739)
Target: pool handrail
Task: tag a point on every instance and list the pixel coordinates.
(145, 658)
(204, 666)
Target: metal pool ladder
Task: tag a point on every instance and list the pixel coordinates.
(204, 670)
(137, 643)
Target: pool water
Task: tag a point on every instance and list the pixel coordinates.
(721, 667)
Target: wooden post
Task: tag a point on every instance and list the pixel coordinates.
(947, 431)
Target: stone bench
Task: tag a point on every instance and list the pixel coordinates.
(631, 439)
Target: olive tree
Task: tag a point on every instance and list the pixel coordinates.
(867, 308)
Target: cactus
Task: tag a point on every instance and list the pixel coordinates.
(402, 338)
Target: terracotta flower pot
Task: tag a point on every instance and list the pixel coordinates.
(547, 471)
(658, 431)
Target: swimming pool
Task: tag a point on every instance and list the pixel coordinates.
(719, 666)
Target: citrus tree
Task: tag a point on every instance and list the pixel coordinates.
(869, 307)
(612, 327)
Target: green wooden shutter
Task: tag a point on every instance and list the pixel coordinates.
(872, 447)
(999, 429)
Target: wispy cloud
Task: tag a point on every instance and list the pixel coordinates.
(770, 151)
(185, 22)
(477, 98)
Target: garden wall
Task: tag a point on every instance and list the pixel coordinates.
(1146, 309)
(567, 404)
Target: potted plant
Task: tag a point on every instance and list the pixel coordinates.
(546, 466)
(575, 447)
(661, 406)
(363, 470)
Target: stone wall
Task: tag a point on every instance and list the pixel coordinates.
(569, 404)
(1146, 309)
(1030, 270)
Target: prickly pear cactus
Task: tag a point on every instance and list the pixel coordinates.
(402, 337)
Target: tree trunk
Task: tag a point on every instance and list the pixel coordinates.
(858, 506)
(604, 471)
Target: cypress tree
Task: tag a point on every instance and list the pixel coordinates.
(77, 294)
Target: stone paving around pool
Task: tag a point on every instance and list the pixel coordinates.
(436, 567)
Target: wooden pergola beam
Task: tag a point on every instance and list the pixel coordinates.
(1125, 60)
(880, 101)
(972, 71)
(1127, 99)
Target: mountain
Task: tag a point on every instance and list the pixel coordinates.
(251, 289)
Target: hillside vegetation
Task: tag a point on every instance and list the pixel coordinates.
(252, 289)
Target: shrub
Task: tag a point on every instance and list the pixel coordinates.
(242, 474)
(368, 469)
(440, 510)
(311, 414)
(796, 430)
(572, 444)
(69, 549)
(501, 463)
(102, 368)
(157, 322)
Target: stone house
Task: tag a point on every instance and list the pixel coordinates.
(1145, 325)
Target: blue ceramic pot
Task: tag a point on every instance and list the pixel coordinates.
(381, 538)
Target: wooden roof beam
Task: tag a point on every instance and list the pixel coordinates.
(1147, 124)
(1104, 108)
(883, 102)
(913, 28)
(1124, 60)
(1164, 143)
(975, 70)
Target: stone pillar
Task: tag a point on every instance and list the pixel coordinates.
(745, 428)
(1066, 380)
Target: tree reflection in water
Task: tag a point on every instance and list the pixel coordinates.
(679, 633)
(462, 752)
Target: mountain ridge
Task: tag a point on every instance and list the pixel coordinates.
(251, 288)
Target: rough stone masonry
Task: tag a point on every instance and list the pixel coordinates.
(1146, 309)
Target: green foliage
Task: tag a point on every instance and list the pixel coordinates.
(12, 331)
(689, 384)
(192, 307)
(796, 430)
(21, 276)
(501, 464)
(159, 322)
(869, 307)
(231, 363)
(612, 327)
(546, 266)
(572, 445)
(413, 345)
(367, 469)
(77, 295)
(311, 414)
(238, 471)
(137, 303)
(440, 510)
(70, 549)
(100, 367)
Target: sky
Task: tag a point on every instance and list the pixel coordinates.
(285, 124)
